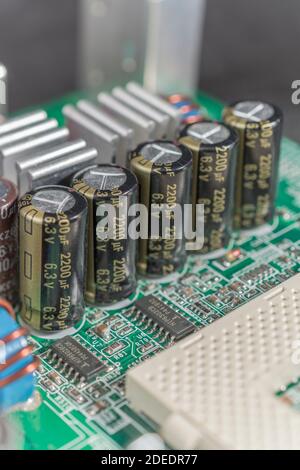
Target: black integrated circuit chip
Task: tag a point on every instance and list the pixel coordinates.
(77, 358)
(165, 317)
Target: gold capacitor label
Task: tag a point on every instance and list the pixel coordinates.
(30, 237)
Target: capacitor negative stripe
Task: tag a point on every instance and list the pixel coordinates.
(52, 226)
(164, 173)
(111, 261)
(214, 148)
(8, 242)
(259, 126)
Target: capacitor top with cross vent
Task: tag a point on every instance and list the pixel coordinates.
(214, 149)
(259, 126)
(163, 170)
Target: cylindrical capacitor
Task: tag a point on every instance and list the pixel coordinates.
(214, 148)
(3, 92)
(259, 126)
(111, 256)
(164, 173)
(8, 242)
(52, 229)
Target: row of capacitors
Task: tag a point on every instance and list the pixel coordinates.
(230, 167)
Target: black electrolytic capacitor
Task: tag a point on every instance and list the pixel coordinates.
(259, 126)
(214, 149)
(164, 173)
(52, 229)
(111, 273)
(9, 242)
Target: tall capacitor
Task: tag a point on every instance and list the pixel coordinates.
(52, 229)
(164, 173)
(111, 256)
(214, 149)
(8, 242)
(259, 126)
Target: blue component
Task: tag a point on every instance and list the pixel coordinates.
(21, 389)
(180, 104)
(195, 112)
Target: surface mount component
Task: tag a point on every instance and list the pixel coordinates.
(95, 134)
(164, 317)
(79, 363)
(218, 388)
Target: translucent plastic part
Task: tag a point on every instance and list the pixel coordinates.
(157, 39)
(173, 46)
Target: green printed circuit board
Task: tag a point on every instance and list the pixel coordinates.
(97, 415)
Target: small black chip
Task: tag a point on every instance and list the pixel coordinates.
(162, 315)
(79, 360)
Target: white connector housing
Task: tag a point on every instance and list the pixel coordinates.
(216, 389)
